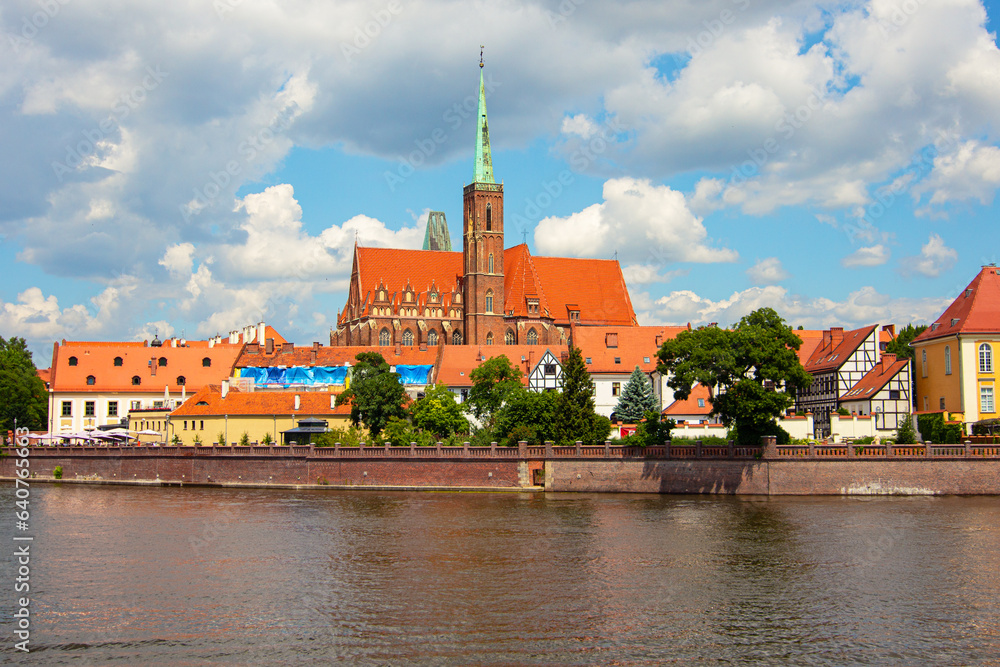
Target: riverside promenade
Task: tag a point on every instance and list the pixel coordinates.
(972, 468)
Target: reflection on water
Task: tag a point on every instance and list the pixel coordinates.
(235, 576)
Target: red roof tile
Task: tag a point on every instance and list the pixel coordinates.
(876, 378)
(633, 346)
(834, 350)
(975, 310)
(689, 405)
(332, 356)
(311, 403)
(98, 360)
(458, 361)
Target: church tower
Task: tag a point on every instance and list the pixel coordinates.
(482, 241)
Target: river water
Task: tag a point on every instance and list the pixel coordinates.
(134, 575)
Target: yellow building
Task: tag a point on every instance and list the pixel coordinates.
(955, 356)
(218, 411)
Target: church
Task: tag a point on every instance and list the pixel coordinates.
(485, 295)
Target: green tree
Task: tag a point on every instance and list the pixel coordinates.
(376, 394)
(575, 418)
(637, 399)
(747, 365)
(493, 381)
(900, 346)
(527, 415)
(438, 413)
(905, 435)
(22, 393)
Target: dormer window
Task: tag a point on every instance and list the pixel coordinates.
(119, 361)
(206, 362)
(954, 321)
(91, 380)
(181, 381)
(136, 380)
(73, 361)
(162, 362)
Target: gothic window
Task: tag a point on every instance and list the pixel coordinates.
(489, 301)
(947, 360)
(432, 337)
(408, 338)
(491, 263)
(383, 338)
(532, 336)
(489, 338)
(508, 337)
(489, 221)
(985, 358)
(456, 338)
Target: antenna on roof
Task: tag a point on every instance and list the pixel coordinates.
(524, 236)
(616, 256)
(481, 47)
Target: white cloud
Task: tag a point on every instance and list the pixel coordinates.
(579, 125)
(875, 255)
(178, 259)
(971, 171)
(861, 307)
(767, 272)
(644, 274)
(934, 259)
(645, 223)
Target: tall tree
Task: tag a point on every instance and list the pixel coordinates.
(493, 381)
(527, 415)
(22, 393)
(900, 346)
(376, 393)
(575, 418)
(637, 399)
(746, 367)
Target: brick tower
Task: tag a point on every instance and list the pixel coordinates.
(482, 242)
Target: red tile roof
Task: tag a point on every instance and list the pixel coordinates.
(311, 403)
(875, 379)
(331, 356)
(975, 310)
(834, 349)
(97, 359)
(811, 339)
(458, 361)
(689, 405)
(633, 346)
(595, 286)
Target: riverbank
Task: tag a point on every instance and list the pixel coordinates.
(691, 469)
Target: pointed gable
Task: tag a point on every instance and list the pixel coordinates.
(975, 310)
(836, 347)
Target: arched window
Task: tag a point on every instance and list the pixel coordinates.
(491, 263)
(136, 380)
(73, 361)
(162, 362)
(432, 337)
(508, 337)
(456, 338)
(532, 336)
(383, 338)
(489, 338)
(489, 301)
(923, 363)
(489, 220)
(407, 338)
(206, 362)
(119, 361)
(181, 380)
(947, 360)
(985, 358)
(91, 379)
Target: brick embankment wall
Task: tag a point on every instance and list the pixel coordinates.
(828, 477)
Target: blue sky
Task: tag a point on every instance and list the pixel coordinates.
(189, 168)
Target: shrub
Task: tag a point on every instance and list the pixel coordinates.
(57, 472)
(245, 439)
(222, 438)
(176, 440)
(933, 427)
(197, 441)
(843, 412)
(905, 435)
(347, 437)
(267, 440)
(707, 441)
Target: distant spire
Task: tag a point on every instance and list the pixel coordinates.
(484, 161)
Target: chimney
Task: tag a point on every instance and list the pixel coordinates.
(314, 353)
(333, 401)
(287, 347)
(253, 348)
(888, 359)
(891, 328)
(826, 339)
(836, 335)
(152, 366)
(659, 340)
(269, 346)
(260, 331)
(399, 349)
(173, 342)
(298, 401)
(225, 388)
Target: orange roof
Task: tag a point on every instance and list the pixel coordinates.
(98, 360)
(595, 287)
(331, 356)
(458, 361)
(876, 378)
(835, 347)
(311, 403)
(811, 339)
(632, 346)
(689, 406)
(44, 374)
(976, 310)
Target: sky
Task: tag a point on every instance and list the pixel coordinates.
(189, 167)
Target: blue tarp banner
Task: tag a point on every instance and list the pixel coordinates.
(276, 375)
(299, 375)
(330, 374)
(304, 375)
(258, 374)
(416, 374)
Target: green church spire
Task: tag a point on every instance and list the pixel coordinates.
(484, 161)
